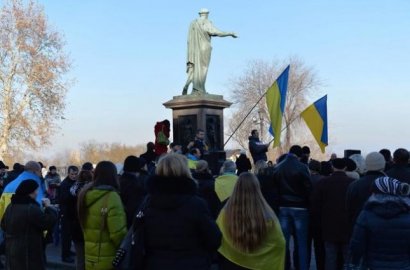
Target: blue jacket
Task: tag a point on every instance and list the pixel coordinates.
(258, 149)
(382, 233)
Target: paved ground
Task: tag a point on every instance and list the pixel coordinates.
(55, 263)
(54, 259)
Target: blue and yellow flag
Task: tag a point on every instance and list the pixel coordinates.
(275, 100)
(315, 117)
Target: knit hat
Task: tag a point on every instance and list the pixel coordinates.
(26, 187)
(387, 185)
(375, 162)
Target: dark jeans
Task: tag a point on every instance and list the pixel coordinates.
(295, 221)
(65, 237)
(332, 251)
(79, 251)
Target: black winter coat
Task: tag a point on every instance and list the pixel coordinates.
(358, 193)
(292, 179)
(132, 192)
(328, 207)
(206, 190)
(179, 230)
(269, 189)
(382, 234)
(23, 224)
(400, 172)
(64, 196)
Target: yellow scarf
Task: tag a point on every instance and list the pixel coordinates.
(224, 185)
(270, 256)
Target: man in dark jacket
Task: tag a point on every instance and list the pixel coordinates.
(150, 157)
(132, 187)
(64, 198)
(315, 224)
(293, 182)
(199, 142)
(328, 207)
(257, 148)
(360, 190)
(17, 170)
(400, 169)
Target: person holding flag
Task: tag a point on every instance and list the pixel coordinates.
(257, 148)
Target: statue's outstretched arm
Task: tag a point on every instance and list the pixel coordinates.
(213, 31)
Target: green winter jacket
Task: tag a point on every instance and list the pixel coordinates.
(103, 234)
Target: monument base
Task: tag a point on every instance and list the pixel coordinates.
(192, 112)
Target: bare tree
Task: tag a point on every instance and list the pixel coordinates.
(249, 87)
(33, 85)
(94, 152)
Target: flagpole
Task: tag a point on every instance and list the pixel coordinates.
(243, 120)
(286, 127)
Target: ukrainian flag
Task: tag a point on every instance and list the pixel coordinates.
(315, 117)
(275, 101)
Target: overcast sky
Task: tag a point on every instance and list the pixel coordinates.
(129, 58)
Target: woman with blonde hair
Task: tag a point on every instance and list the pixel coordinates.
(179, 232)
(252, 236)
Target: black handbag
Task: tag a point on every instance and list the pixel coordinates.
(130, 254)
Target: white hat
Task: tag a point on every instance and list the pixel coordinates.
(375, 162)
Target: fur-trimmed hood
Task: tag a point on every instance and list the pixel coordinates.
(388, 206)
(170, 192)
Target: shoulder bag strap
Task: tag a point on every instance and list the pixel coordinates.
(140, 212)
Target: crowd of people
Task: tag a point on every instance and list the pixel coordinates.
(352, 212)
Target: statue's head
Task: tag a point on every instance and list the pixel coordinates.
(204, 12)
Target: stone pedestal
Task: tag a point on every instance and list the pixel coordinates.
(190, 112)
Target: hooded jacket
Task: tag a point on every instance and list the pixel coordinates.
(103, 234)
(178, 228)
(258, 149)
(23, 224)
(382, 233)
